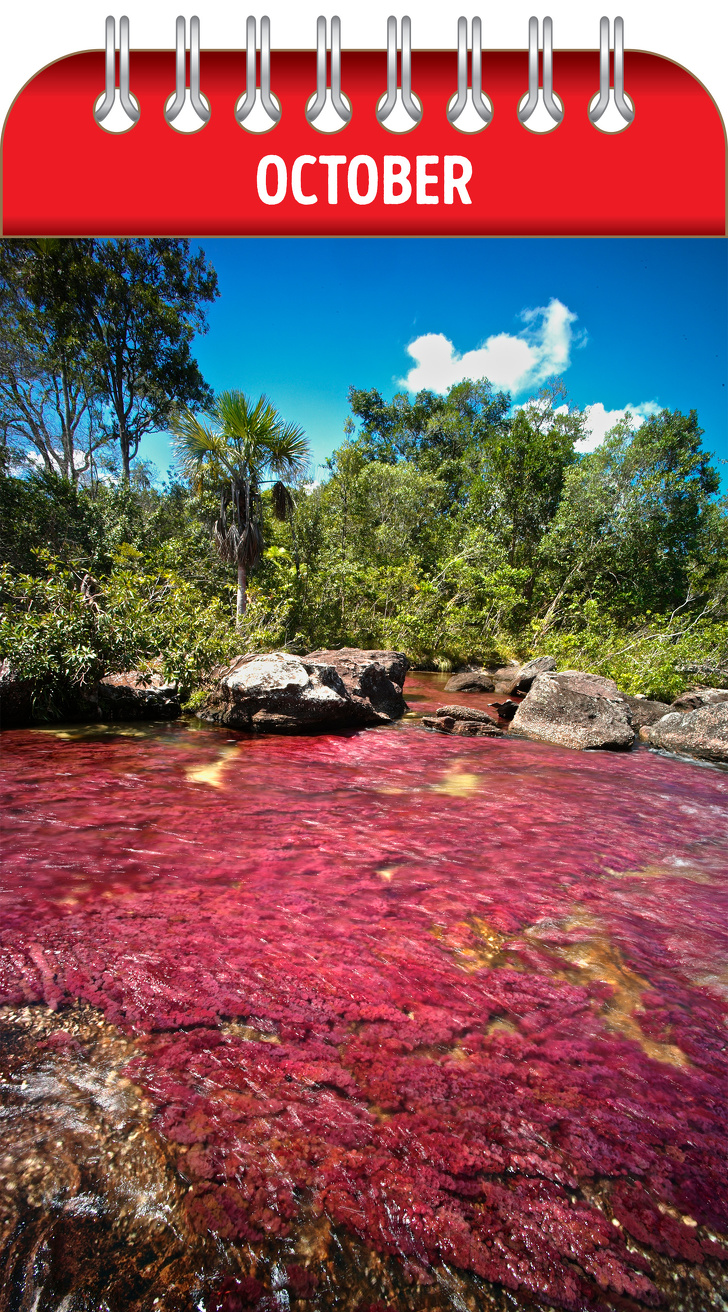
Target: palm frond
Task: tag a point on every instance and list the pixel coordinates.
(283, 503)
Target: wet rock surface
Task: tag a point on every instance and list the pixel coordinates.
(702, 733)
(574, 709)
(464, 720)
(281, 692)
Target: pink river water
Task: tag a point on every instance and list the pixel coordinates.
(464, 999)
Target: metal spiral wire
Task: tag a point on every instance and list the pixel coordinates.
(622, 104)
(199, 105)
(246, 106)
(550, 103)
(128, 104)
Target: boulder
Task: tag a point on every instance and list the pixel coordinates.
(575, 709)
(277, 691)
(135, 696)
(471, 681)
(696, 697)
(507, 709)
(644, 711)
(702, 733)
(16, 698)
(373, 679)
(469, 728)
(465, 713)
(528, 672)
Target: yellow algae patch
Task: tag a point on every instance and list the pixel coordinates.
(386, 875)
(663, 872)
(596, 959)
(212, 772)
(95, 731)
(469, 955)
(458, 783)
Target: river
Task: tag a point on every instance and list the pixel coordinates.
(378, 1020)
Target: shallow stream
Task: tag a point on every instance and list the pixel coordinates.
(377, 1020)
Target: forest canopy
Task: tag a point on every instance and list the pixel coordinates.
(453, 527)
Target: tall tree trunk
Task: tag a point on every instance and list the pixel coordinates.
(242, 599)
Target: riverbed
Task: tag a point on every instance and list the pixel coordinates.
(376, 1020)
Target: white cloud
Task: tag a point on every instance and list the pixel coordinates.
(599, 421)
(514, 362)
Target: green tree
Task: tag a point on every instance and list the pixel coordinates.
(236, 444)
(638, 523)
(50, 408)
(110, 324)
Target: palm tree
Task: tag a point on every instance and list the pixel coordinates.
(239, 444)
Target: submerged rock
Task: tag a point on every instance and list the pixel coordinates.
(574, 709)
(702, 733)
(464, 720)
(277, 691)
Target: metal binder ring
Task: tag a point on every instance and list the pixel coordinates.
(195, 105)
(395, 100)
(338, 104)
(127, 106)
(602, 104)
(261, 104)
(538, 98)
(458, 112)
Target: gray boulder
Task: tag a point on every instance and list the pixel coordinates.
(575, 709)
(134, 696)
(464, 713)
(373, 679)
(280, 692)
(702, 733)
(529, 671)
(467, 728)
(471, 681)
(644, 711)
(696, 697)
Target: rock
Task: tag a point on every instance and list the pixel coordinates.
(16, 698)
(465, 713)
(506, 710)
(373, 679)
(277, 691)
(134, 696)
(471, 681)
(528, 672)
(468, 728)
(696, 697)
(575, 709)
(644, 711)
(702, 733)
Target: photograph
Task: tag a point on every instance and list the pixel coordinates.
(363, 679)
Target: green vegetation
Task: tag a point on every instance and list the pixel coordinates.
(455, 528)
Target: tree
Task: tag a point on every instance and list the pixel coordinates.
(50, 410)
(635, 517)
(236, 444)
(145, 306)
(99, 337)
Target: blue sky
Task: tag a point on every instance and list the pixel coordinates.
(638, 322)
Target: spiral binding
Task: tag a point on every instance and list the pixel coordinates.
(114, 99)
(328, 99)
(398, 110)
(540, 96)
(607, 98)
(398, 99)
(466, 97)
(186, 99)
(258, 110)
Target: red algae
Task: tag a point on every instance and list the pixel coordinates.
(461, 1000)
